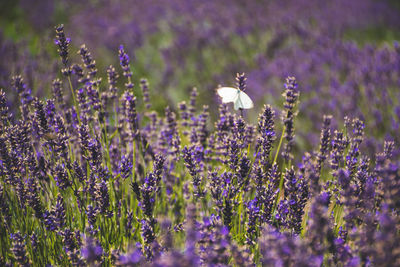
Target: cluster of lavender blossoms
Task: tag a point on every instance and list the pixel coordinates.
(93, 176)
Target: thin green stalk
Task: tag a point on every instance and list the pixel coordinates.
(74, 99)
(284, 163)
(240, 209)
(279, 192)
(279, 145)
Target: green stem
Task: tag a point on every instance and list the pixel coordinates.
(278, 195)
(279, 145)
(74, 99)
(284, 163)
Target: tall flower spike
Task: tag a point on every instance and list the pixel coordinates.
(91, 213)
(19, 249)
(88, 60)
(354, 151)
(267, 134)
(131, 114)
(194, 171)
(58, 92)
(124, 62)
(24, 93)
(41, 118)
(50, 111)
(241, 81)
(34, 198)
(83, 131)
(93, 95)
(358, 130)
(325, 141)
(338, 146)
(388, 149)
(145, 90)
(61, 177)
(112, 77)
(125, 167)
(253, 212)
(4, 115)
(78, 71)
(128, 226)
(62, 43)
(148, 236)
(59, 212)
(291, 96)
(103, 197)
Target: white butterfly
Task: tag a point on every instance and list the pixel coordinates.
(240, 99)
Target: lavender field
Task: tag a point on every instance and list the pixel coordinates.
(119, 148)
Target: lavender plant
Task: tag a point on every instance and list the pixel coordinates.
(93, 176)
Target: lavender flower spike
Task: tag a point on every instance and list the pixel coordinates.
(124, 62)
(62, 43)
(291, 96)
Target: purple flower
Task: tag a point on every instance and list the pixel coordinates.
(48, 220)
(291, 96)
(267, 135)
(92, 251)
(19, 249)
(83, 131)
(93, 95)
(4, 113)
(150, 188)
(131, 259)
(87, 59)
(241, 81)
(94, 149)
(62, 42)
(147, 229)
(128, 226)
(24, 93)
(34, 197)
(50, 111)
(112, 77)
(124, 62)
(103, 198)
(194, 170)
(61, 177)
(78, 71)
(91, 213)
(338, 146)
(125, 168)
(253, 211)
(324, 141)
(131, 114)
(144, 85)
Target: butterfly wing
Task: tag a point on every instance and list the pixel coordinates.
(243, 101)
(228, 94)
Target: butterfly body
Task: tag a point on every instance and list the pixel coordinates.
(240, 99)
